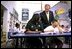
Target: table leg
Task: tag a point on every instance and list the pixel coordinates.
(21, 42)
(44, 42)
(69, 43)
(16, 46)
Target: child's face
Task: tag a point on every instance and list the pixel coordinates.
(55, 24)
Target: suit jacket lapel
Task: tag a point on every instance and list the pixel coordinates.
(49, 15)
(45, 17)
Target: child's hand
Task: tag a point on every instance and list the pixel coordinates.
(36, 29)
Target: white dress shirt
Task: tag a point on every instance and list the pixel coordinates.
(47, 16)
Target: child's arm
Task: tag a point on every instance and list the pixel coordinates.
(49, 31)
(60, 29)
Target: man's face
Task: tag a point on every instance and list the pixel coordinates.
(47, 7)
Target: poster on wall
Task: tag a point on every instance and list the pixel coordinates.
(25, 14)
(60, 11)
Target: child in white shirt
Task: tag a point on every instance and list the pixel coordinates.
(55, 27)
(16, 28)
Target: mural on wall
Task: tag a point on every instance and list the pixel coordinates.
(60, 11)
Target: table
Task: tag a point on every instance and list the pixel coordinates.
(23, 35)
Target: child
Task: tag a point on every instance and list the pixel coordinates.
(16, 28)
(55, 27)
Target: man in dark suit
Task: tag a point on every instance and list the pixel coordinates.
(47, 16)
